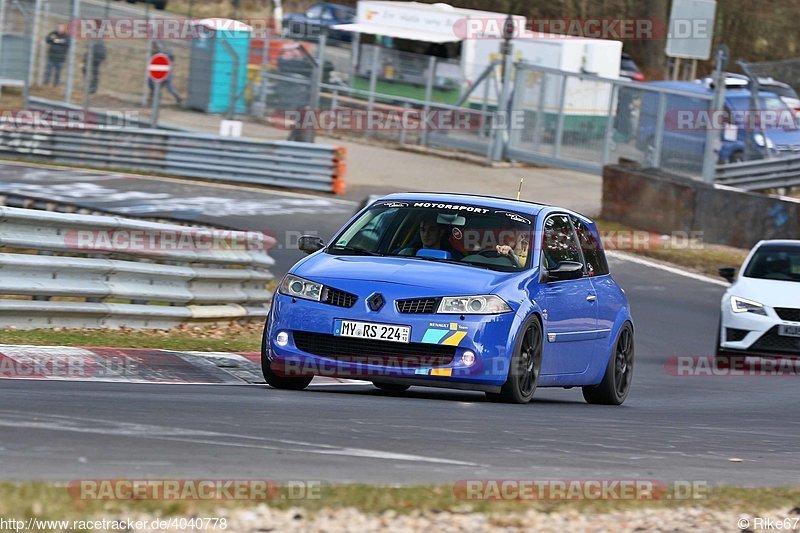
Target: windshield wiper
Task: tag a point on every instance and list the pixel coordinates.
(451, 261)
(354, 249)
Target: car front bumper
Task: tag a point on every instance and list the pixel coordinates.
(750, 333)
(433, 357)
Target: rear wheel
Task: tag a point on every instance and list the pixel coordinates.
(524, 368)
(619, 373)
(391, 387)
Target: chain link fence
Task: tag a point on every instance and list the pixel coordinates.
(363, 87)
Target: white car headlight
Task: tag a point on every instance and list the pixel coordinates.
(300, 288)
(759, 139)
(473, 305)
(743, 305)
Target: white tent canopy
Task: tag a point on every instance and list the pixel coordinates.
(399, 33)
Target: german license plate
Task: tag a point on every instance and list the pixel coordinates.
(789, 331)
(370, 330)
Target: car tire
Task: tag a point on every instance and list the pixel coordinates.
(391, 387)
(736, 157)
(524, 367)
(619, 372)
(274, 380)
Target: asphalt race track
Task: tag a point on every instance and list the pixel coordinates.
(670, 428)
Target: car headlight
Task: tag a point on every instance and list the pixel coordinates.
(300, 288)
(761, 140)
(743, 305)
(473, 305)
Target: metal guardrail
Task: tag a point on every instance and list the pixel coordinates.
(138, 274)
(761, 174)
(177, 153)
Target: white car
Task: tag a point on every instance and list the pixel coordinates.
(760, 312)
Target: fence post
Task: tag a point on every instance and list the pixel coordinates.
(43, 50)
(428, 97)
(609, 124)
(318, 70)
(717, 103)
(539, 126)
(76, 6)
(373, 85)
(88, 74)
(516, 97)
(662, 111)
(560, 120)
(148, 55)
(500, 136)
(37, 11)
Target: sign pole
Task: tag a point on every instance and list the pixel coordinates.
(156, 104)
(158, 70)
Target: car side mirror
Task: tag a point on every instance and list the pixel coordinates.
(728, 273)
(565, 270)
(310, 244)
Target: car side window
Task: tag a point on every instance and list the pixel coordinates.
(596, 262)
(559, 242)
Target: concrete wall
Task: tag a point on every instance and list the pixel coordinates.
(663, 202)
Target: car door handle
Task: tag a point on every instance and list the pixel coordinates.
(591, 298)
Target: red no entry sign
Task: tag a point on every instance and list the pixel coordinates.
(159, 67)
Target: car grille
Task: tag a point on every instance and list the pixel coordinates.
(384, 353)
(418, 305)
(338, 297)
(735, 335)
(788, 313)
(771, 342)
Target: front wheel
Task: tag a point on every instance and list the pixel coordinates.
(391, 387)
(619, 373)
(524, 367)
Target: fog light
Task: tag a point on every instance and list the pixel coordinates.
(282, 338)
(468, 358)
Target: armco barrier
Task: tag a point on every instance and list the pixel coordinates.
(761, 174)
(179, 153)
(139, 274)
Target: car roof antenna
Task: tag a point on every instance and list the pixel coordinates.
(519, 191)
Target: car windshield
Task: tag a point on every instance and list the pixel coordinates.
(778, 262)
(780, 90)
(471, 235)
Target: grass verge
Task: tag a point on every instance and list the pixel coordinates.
(53, 502)
(229, 338)
(695, 256)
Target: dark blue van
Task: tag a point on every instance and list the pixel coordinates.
(687, 119)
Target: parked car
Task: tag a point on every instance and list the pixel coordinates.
(629, 69)
(784, 91)
(308, 25)
(456, 291)
(687, 140)
(760, 311)
(158, 4)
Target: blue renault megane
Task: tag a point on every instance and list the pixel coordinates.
(459, 291)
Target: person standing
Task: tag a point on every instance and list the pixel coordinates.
(57, 48)
(98, 49)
